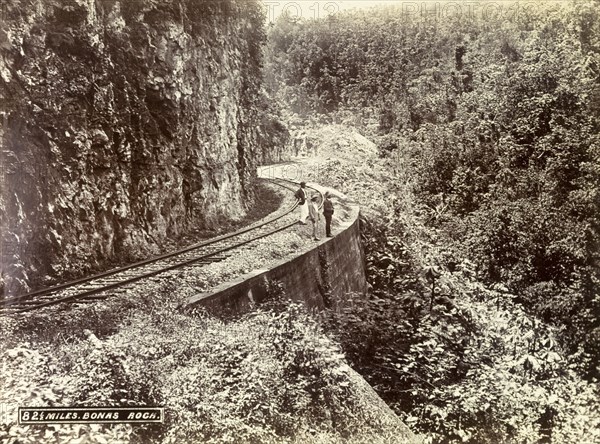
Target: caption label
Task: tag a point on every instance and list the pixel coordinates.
(90, 415)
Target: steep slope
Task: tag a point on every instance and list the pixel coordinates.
(123, 123)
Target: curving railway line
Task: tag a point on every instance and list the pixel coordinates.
(113, 282)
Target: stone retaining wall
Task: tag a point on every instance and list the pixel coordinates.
(335, 266)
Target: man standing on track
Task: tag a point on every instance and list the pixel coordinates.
(328, 213)
(303, 204)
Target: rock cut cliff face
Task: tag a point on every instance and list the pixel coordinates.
(124, 122)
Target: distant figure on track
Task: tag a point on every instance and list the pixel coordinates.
(313, 211)
(302, 197)
(328, 213)
(299, 143)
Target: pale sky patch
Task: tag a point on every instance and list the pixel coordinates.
(311, 9)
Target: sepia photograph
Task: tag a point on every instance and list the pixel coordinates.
(299, 222)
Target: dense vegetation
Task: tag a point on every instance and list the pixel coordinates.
(267, 377)
(483, 322)
(481, 232)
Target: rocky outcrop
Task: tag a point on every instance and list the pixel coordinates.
(124, 122)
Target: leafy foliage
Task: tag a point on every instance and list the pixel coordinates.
(269, 376)
(495, 118)
(460, 360)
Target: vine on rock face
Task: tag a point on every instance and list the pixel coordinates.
(325, 282)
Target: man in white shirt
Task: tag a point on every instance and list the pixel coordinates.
(313, 212)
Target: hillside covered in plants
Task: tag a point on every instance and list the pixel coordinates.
(470, 139)
(481, 207)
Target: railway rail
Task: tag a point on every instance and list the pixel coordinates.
(113, 282)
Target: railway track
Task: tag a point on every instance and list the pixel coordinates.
(116, 281)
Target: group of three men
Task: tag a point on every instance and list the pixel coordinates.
(311, 210)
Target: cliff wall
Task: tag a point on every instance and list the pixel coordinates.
(124, 122)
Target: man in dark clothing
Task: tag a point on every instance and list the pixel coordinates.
(328, 212)
(302, 204)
